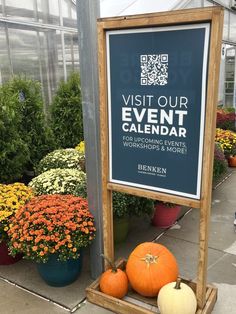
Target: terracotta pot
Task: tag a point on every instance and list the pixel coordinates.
(232, 161)
(5, 258)
(164, 216)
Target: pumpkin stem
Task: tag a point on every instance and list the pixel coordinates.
(149, 259)
(112, 265)
(178, 282)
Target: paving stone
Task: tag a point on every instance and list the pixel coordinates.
(25, 273)
(186, 254)
(226, 302)
(90, 308)
(17, 301)
(223, 270)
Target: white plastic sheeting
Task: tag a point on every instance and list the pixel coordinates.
(128, 7)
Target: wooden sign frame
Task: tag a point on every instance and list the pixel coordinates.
(214, 16)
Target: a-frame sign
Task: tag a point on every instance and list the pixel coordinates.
(158, 95)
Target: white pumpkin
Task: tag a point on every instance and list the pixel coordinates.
(177, 298)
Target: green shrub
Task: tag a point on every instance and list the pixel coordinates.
(66, 113)
(141, 206)
(33, 129)
(14, 152)
(60, 181)
(121, 203)
(129, 205)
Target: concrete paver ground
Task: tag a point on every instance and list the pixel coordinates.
(182, 240)
(15, 300)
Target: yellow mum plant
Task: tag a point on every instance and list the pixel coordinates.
(12, 197)
(81, 147)
(227, 140)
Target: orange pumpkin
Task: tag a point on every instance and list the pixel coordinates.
(114, 281)
(149, 267)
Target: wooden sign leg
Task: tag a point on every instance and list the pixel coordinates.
(203, 254)
(108, 226)
(212, 96)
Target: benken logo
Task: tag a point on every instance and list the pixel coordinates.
(152, 170)
(154, 69)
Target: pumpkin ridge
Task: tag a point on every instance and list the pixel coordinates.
(169, 268)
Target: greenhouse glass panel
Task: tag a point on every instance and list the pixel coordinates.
(71, 52)
(5, 68)
(229, 76)
(74, 13)
(226, 25)
(20, 9)
(193, 4)
(60, 68)
(51, 61)
(1, 10)
(24, 52)
(48, 62)
(54, 11)
(69, 19)
(48, 12)
(225, 2)
(208, 4)
(232, 30)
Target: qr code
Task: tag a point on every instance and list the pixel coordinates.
(154, 69)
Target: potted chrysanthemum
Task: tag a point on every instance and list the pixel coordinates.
(81, 149)
(125, 206)
(232, 157)
(227, 140)
(12, 197)
(52, 230)
(60, 181)
(68, 158)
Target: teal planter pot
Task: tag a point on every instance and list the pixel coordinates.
(59, 274)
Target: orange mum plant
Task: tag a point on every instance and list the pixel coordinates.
(51, 224)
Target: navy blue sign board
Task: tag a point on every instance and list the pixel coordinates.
(156, 82)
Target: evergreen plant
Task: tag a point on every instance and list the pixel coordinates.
(66, 113)
(14, 152)
(33, 128)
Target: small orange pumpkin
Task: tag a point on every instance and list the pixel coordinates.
(149, 267)
(114, 281)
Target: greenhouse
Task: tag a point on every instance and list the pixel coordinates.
(39, 39)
